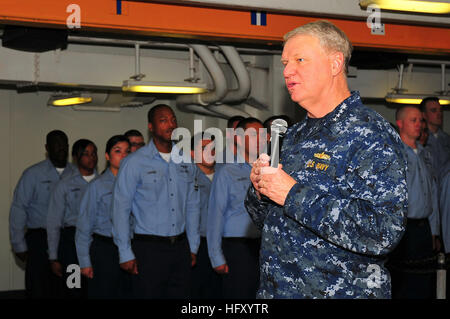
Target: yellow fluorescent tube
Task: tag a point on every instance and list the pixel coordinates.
(413, 101)
(163, 89)
(410, 5)
(71, 101)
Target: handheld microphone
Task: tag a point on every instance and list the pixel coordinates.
(277, 129)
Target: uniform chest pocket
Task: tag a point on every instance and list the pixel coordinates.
(41, 193)
(105, 201)
(244, 183)
(151, 178)
(185, 174)
(152, 185)
(74, 197)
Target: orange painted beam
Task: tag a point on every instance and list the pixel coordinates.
(156, 19)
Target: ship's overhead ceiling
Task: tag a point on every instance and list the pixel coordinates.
(343, 9)
(256, 24)
(230, 21)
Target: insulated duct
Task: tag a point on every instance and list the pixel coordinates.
(235, 95)
(196, 102)
(220, 84)
(205, 103)
(244, 84)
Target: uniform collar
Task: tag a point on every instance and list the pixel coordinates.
(410, 150)
(239, 160)
(76, 172)
(439, 132)
(203, 175)
(108, 173)
(153, 152)
(419, 147)
(51, 166)
(341, 111)
(335, 116)
(151, 149)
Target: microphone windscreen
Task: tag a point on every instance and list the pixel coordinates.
(278, 126)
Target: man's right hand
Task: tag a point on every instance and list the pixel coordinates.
(56, 267)
(222, 269)
(130, 266)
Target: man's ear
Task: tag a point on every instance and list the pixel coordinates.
(337, 63)
(150, 127)
(46, 147)
(107, 156)
(399, 124)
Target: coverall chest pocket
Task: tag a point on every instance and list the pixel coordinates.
(152, 183)
(41, 193)
(185, 174)
(73, 197)
(244, 183)
(105, 202)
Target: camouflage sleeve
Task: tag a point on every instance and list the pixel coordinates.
(364, 210)
(257, 208)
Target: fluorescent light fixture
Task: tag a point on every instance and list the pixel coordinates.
(414, 98)
(163, 87)
(399, 96)
(436, 7)
(68, 99)
(135, 84)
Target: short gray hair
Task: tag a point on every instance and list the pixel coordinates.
(330, 37)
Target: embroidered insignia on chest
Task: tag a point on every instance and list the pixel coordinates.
(317, 165)
(322, 155)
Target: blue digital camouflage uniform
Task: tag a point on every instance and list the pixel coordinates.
(345, 213)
